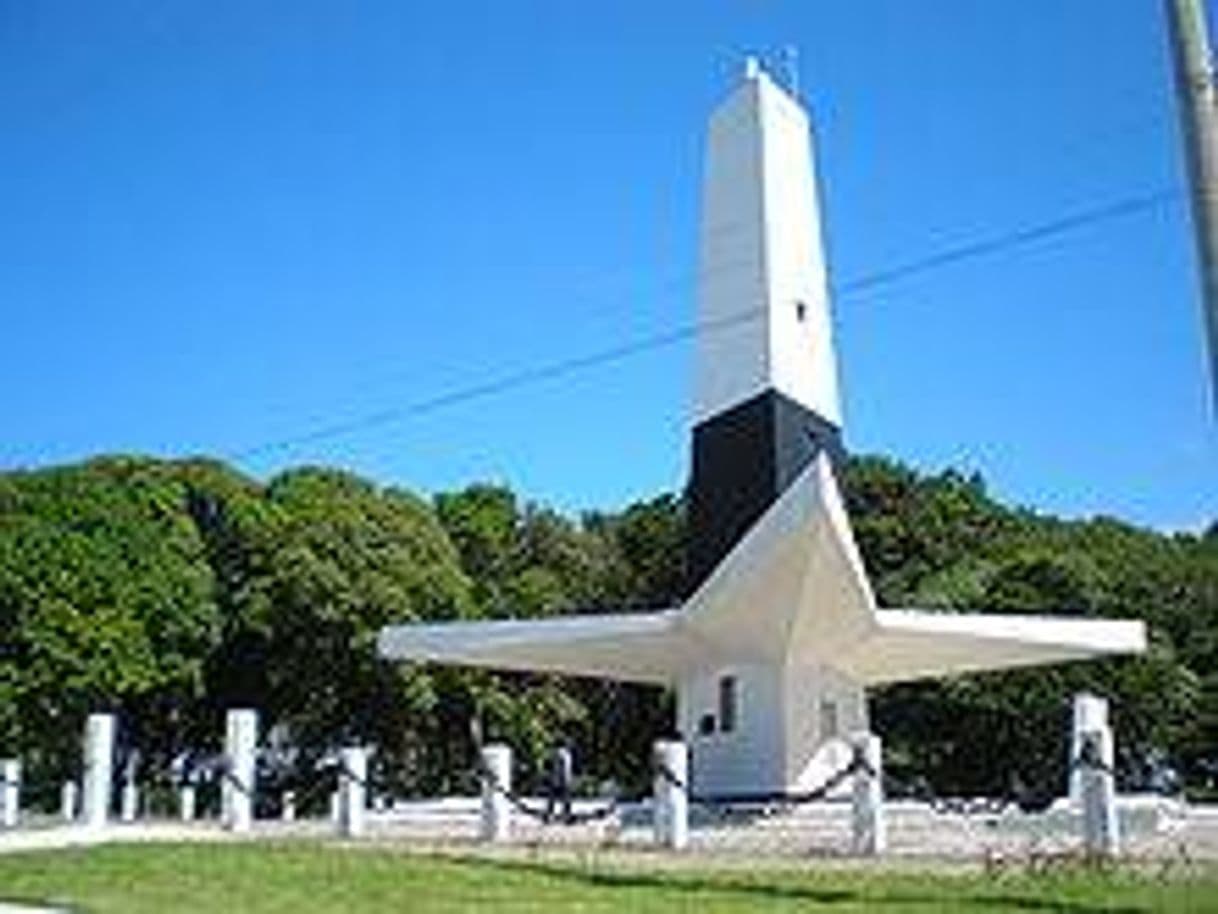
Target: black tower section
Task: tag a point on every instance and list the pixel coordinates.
(744, 459)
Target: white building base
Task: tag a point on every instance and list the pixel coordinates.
(756, 728)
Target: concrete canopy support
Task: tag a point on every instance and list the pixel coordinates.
(671, 794)
(352, 791)
(496, 824)
(1101, 827)
(10, 792)
(869, 833)
(237, 788)
(99, 769)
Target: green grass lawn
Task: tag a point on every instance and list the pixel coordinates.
(303, 877)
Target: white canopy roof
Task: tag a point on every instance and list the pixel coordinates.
(792, 591)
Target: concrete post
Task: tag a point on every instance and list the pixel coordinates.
(671, 794)
(1090, 713)
(187, 802)
(99, 761)
(10, 792)
(496, 786)
(67, 801)
(336, 806)
(129, 802)
(870, 831)
(353, 800)
(287, 809)
(1101, 828)
(237, 788)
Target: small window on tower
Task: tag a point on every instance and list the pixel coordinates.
(727, 704)
(801, 311)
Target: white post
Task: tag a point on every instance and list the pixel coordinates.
(287, 810)
(67, 801)
(496, 785)
(10, 792)
(1101, 831)
(353, 775)
(130, 800)
(237, 788)
(186, 802)
(870, 832)
(99, 761)
(1090, 713)
(336, 806)
(671, 794)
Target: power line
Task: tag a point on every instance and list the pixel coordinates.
(1081, 219)
(508, 382)
(561, 368)
(681, 282)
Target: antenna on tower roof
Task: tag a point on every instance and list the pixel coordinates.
(790, 66)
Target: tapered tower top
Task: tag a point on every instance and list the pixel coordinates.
(763, 299)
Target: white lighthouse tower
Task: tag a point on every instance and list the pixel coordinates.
(761, 250)
(779, 637)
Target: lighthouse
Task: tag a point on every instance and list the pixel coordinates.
(779, 636)
(765, 385)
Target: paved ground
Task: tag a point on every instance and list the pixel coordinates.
(54, 837)
(1153, 830)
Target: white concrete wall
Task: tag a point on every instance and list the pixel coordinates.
(777, 743)
(750, 757)
(813, 755)
(802, 362)
(732, 364)
(761, 249)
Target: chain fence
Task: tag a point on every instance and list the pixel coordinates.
(1017, 828)
(298, 795)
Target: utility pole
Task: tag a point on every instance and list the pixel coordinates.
(1199, 125)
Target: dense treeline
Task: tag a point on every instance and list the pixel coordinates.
(170, 590)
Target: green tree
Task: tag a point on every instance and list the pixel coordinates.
(106, 601)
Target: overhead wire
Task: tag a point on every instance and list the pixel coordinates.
(521, 378)
(1125, 207)
(1118, 209)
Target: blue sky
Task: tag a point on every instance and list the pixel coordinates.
(230, 223)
